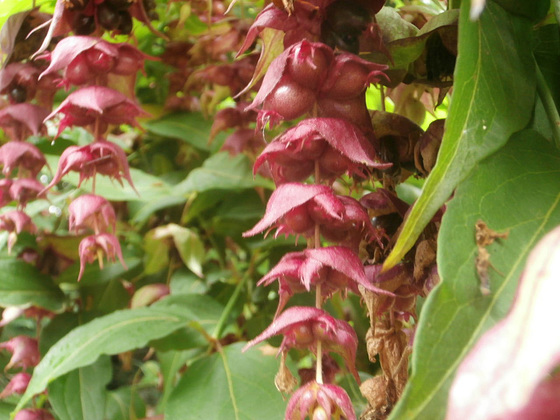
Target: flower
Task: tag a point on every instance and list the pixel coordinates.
(320, 401)
(19, 121)
(33, 414)
(17, 385)
(335, 144)
(25, 352)
(95, 247)
(21, 156)
(93, 212)
(24, 190)
(15, 222)
(97, 105)
(334, 268)
(99, 157)
(303, 327)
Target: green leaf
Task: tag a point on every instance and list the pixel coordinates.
(534, 10)
(81, 394)
(24, 285)
(526, 172)
(489, 105)
(221, 171)
(124, 404)
(190, 127)
(111, 334)
(228, 385)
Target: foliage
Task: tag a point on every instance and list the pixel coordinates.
(167, 140)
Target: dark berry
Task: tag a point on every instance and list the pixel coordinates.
(83, 24)
(18, 94)
(108, 17)
(125, 27)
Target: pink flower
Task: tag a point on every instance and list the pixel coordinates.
(25, 352)
(15, 222)
(19, 121)
(22, 156)
(20, 82)
(17, 385)
(97, 105)
(334, 268)
(24, 190)
(96, 247)
(33, 414)
(99, 157)
(320, 402)
(335, 144)
(93, 212)
(303, 327)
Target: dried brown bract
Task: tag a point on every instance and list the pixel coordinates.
(484, 237)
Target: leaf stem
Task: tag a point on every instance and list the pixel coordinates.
(549, 105)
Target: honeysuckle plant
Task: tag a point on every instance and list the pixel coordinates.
(283, 210)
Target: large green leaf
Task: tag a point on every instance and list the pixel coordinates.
(517, 189)
(81, 394)
(228, 385)
(220, 172)
(124, 403)
(493, 97)
(114, 333)
(22, 284)
(190, 127)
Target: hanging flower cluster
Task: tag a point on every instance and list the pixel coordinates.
(102, 75)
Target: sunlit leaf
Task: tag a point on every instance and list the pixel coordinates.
(488, 106)
(525, 172)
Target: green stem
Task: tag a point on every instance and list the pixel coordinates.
(549, 106)
(227, 310)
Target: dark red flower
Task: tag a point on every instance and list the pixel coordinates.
(98, 246)
(320, 402)
(334, 268)
(14, 222)
(24, 190)
(335, 144)
(303, 327)
(93, 212)
(99, 105)
(99, 157)
(25, 352)
(23, 157)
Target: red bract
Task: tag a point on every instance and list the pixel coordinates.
(19, 121)
(338, 147)
(513, 368)
(86, 58)
(100, 157)
(93, 212)
(320, 402)
(334, 268)
(17, 385)
(97, 104)
(303, 327)
(15, 222)
(298, 208)
(25, 189)
(25, 352)
(287, 90)
(96, 247)
(22, 156)
(33, 414)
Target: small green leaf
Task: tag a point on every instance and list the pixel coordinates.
(221, 171)
(489, 105)
(81, 394)
(241, 386)
(525, 172)
(111, 334)
(22, 284)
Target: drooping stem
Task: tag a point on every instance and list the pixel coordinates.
(319, 364)
(549, 106)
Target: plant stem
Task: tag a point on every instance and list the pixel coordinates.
(549, 106)
(319, 364)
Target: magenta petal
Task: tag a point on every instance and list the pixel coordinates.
(28, 115)
(91, 211)
(285, 198)
(331, 398)
(21, 154)
(104, 243)
(504, 374)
